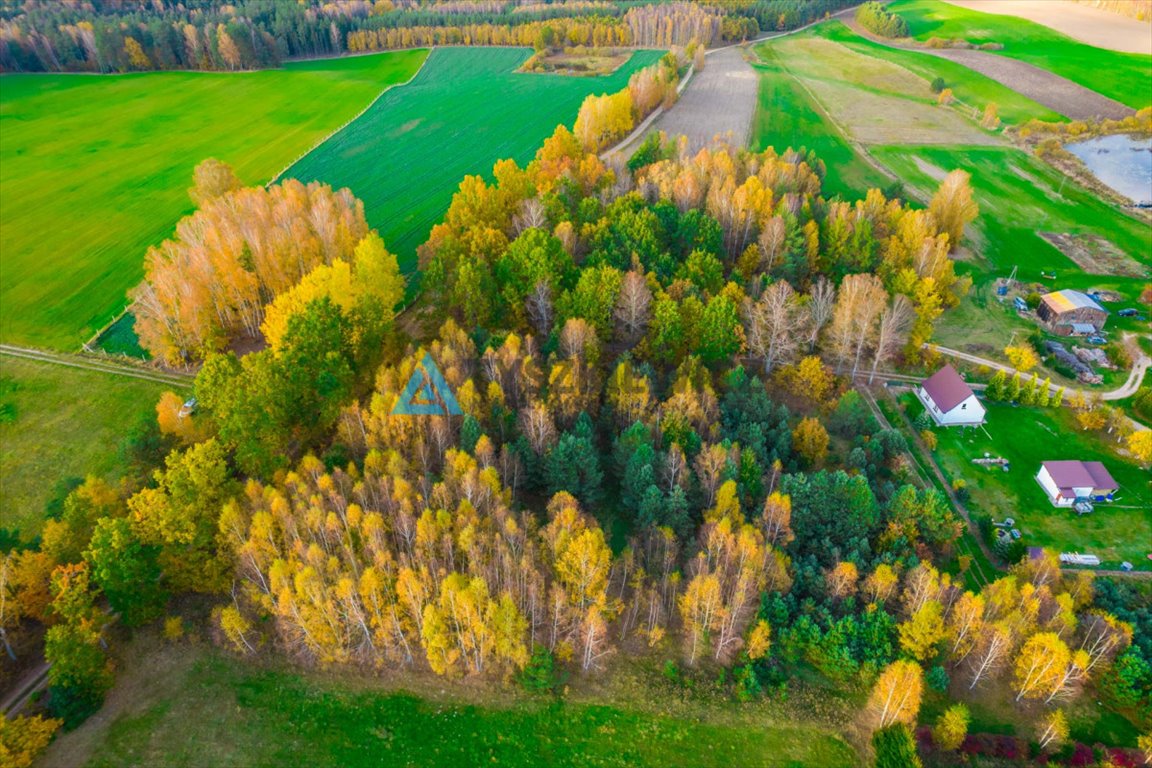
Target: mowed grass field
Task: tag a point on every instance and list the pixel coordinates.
(466, 109)
(787, 116)
(873, 101)
(1026, 437)
(94, 169)
(191, 706)
(57, 425)
(1121, 76)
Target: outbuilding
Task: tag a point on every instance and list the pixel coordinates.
(1069, 482)
(1071, 313)
(949, 399)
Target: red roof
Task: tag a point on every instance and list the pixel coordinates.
(1079, 474)
(946, 388)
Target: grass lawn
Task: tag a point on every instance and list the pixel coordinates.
(192, 706)
(466, 109)
(1026, 437)
(59, 424)
(971, 88)
(1121, 76)
(94, 169)
(788, 117)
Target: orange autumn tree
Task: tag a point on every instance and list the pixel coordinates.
(208, 284)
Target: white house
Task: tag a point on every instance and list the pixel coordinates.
(1065, 482)
(949, 400)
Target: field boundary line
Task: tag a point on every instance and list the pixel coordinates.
(357, 116)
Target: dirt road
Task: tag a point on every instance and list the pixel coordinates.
(98, 364)
(1093, 26)
(720, 100)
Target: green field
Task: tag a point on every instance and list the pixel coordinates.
(788, 117)
(1026, 437)
(192, 706)
(1020, 196)
(94, 169)
(1121, 76)
(57, 425)
(466, 109)
(972, 88)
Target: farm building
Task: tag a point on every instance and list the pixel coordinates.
(949, 399)
(1067, 482)
(1071, 313)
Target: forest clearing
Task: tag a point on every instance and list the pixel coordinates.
(273, 715)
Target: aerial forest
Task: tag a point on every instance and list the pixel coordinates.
(657, 450)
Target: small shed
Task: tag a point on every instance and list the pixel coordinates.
(1071, 313)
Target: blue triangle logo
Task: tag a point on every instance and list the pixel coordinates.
(427, 393)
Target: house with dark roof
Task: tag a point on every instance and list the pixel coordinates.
(949, 399)
(1069, 482)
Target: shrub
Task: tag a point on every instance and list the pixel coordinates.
(937, 679)
(173, 628)
(540, 674)
(1142, 403)
(937, 85)
(895, 748)
(1118, 355)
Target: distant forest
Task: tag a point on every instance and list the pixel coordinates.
(110, 36)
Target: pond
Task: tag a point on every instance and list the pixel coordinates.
(1122, 162)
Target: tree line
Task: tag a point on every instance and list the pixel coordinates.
(610, 117)
(253, 34)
